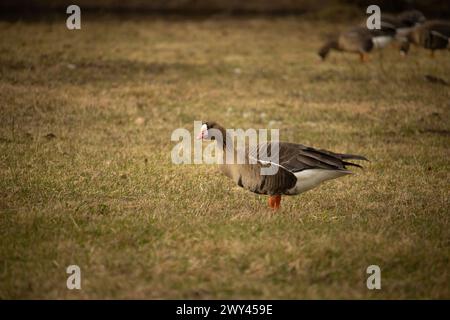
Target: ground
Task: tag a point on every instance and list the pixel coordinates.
(86, 176)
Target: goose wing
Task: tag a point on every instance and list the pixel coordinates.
(297, 157)
(290, 159)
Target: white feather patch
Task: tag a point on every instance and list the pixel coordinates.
(381, 41)
(311, 178)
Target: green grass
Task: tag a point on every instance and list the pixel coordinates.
(103, 193)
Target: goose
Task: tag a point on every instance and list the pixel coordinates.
(396, 27)
(358, 40)
(432, 35)
(300, 168)
(405, 22)
(362, 40)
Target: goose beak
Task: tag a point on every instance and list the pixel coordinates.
(203, 135)
(203, 132)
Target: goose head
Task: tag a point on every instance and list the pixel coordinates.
(210, 130)
(411, 18)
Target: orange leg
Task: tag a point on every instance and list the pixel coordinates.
(274, 202)
(432, 54)
(363, 57)
(271, 202)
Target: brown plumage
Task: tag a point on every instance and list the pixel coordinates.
(362, 40)
(432, 35)
(399, 25)
(404, 20)
(300, 168)
(356, 40)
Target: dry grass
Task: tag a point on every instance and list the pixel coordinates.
(102, 192)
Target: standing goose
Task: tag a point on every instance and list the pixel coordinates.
(432, 35)
(362, 40)
(356, 40)
(404, 22)
(396, 27)
(300, 168)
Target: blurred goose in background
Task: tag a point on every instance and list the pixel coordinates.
(404, 22)
(300, 168)
(432, 35)
(362, 40)
(358, 40)
(396, 27)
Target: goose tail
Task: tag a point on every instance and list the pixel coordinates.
(344, 156)
(352, 157)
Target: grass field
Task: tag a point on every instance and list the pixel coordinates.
(86, 176)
